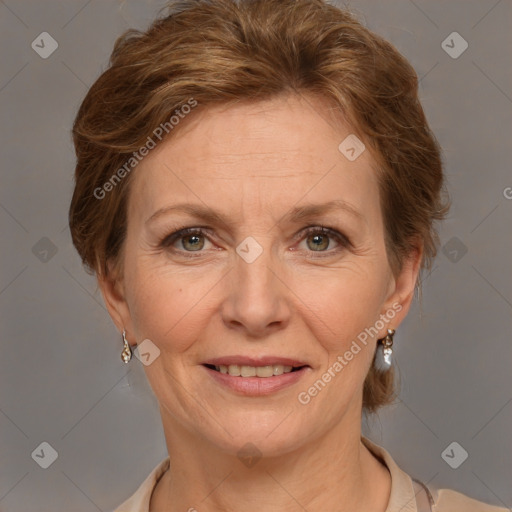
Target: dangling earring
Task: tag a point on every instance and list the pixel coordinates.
(126, 354)
(384, 352)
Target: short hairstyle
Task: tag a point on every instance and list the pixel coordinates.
(220, 51)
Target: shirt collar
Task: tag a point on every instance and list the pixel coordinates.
(401, 499)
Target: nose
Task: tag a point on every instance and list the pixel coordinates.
(258, 301)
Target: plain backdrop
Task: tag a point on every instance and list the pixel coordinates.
(61, 378)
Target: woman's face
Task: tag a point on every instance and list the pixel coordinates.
(289, 269)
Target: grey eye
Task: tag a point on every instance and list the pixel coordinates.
(318, 242)
(192, 242)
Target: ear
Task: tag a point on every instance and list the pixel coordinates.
(401, 290)
(112, 290)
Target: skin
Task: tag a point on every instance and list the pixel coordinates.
(254, 163)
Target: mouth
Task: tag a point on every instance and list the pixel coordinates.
(244, 371)
(256, 376)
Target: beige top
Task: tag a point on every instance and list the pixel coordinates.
(402, 497)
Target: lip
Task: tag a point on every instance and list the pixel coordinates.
(254, 361)
(257, 386)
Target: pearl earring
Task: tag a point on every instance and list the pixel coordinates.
(384, 352)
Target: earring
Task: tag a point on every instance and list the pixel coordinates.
(384, 352)
(126, 354)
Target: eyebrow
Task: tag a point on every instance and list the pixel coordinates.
(315, 210)
(297, 214)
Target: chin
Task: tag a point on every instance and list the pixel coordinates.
(249, 431)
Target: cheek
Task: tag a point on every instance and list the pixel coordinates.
(341, 304)
(169, 308)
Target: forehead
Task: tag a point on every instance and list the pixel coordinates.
(262, 152)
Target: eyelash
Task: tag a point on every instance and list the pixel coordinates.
(343, 241)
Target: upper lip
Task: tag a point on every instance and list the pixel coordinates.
(254, 361)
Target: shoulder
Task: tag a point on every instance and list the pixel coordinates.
(140, 500)
(448, 500)
(407, 496)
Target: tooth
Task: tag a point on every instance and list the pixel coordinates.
(264, 371)
(234, 369)
(278, 369)
(248, 371)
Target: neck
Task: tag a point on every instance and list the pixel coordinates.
(334, 472)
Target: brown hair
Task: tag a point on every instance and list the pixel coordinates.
(215, 52)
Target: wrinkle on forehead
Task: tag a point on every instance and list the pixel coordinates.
(256, 157)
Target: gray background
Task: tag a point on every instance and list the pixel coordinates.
(61, 377)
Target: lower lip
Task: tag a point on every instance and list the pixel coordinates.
(257, 386)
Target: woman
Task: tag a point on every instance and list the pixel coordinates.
(256, 191)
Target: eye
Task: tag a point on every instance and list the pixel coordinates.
(320, 239)
(187, 239)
